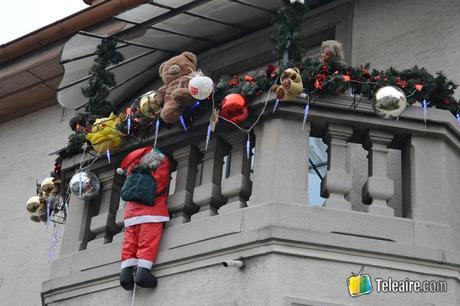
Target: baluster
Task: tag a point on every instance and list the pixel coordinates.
(103, 224)
(237, 186)
(379, 188)
(281, 162)
(180, 203)
(208, 194)
(337, 182)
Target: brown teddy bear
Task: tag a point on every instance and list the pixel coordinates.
(174, 95)
(291, 85)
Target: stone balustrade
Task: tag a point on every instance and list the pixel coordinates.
(219, 191)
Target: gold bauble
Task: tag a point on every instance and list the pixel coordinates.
(51, 186)
(34, 202)
(36, 206)
(389, 102)
(149, 105)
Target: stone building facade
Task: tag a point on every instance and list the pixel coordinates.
(294, 254)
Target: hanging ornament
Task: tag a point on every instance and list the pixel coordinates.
(182, 122)
(107, 153)
(84, 185)
(305, 115)
(50, 186)
(128, 113)
(49, 211)
(275, 107)
(208, 136)
(389, 102)
(57, 233)
(36, 206)
(248, 147)
(200, 86)
(149, 105)
(157, 130)
(234, 108)
(425, 110)
(104, 134)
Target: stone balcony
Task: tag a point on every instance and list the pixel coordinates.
(391, 205)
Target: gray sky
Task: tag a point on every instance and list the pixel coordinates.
(20, 17)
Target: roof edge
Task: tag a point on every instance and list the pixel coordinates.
(65, 27)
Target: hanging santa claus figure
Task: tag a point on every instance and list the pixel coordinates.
(145, 192)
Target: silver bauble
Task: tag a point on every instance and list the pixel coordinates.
(84, 185)
(389, 102)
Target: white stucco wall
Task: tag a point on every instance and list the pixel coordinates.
(24, 147)
(406, 33)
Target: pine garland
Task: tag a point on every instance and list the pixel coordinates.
(286, 26)
(97, 91)
(100, 79)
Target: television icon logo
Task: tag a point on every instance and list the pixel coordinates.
(359, 284)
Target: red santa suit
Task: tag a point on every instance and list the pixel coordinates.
(143, 223)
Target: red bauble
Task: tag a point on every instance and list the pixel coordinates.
(234, 108)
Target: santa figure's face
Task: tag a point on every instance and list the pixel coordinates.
(152, 159)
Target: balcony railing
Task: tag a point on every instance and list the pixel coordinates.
(220, 193)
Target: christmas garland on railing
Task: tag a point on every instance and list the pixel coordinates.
(337, 78)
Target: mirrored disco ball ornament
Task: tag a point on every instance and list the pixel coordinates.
(389, 102)
(84, 185)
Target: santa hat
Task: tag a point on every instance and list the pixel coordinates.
(132, 158)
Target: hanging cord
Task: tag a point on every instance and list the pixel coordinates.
(134, 294)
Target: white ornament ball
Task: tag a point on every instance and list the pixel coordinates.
(200, 87)
(84, 185)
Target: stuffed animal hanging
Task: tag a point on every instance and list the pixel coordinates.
(143, 220)
(291, 85)
(174, 94)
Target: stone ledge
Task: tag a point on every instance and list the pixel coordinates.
(106, 277)
(298, 230)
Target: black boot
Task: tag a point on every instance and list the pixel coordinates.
(145, 279)
(127, 278)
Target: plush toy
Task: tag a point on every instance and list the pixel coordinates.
(174, 94)
(143, 221)
(291, 85)
(104, 135)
